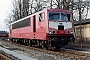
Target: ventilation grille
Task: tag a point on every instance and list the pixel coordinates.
(60, 27)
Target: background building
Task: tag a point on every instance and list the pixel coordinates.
(85, 30)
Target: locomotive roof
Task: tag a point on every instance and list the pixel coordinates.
(61, 10)
(25, 17)
(20, 19)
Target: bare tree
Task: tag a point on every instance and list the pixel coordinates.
(25, 8)
(22, 8)
(15, 11)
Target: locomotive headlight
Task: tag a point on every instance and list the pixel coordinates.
(50, 32)
(71, 32)
(68, 32)
(53, 32)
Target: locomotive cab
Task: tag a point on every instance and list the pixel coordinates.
(60, 29)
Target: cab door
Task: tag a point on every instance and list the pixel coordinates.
(34, 23)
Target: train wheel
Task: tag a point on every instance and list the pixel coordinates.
(14, 40)
(30, 43)
(44, 45)
(18, 41)
(57, 48)
(39, 43)
(27, 42)
(10, 39)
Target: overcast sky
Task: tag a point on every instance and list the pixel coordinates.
(5, 6)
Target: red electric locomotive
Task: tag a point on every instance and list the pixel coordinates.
(46, 28)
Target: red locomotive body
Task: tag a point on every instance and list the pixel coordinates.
(46, 28)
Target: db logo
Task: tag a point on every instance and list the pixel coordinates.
(62, 32)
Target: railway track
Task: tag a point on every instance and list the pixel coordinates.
(2, 57)
(62, 54)
(6, 56)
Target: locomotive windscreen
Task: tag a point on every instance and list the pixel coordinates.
(65, 17)
(59, 16)
(54, 16)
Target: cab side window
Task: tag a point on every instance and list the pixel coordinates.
(41, 17)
